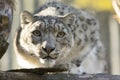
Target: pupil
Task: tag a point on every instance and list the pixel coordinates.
(37, 33)
(61, 34)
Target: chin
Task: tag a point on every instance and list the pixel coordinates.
(47, 62)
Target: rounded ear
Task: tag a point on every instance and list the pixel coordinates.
(68, 18)
(26, 18)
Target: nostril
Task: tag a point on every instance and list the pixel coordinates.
(48, 49)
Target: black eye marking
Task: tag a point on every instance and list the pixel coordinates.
(60, 34)
(36, 33)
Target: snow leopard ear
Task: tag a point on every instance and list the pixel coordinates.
(68, 19)
(26, 18)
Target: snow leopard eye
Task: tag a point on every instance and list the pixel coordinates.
(60, 34)
(36, 33)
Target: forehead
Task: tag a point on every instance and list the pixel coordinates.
(50, 23)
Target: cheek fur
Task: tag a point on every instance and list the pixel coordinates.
(27, 44)
(35, 40)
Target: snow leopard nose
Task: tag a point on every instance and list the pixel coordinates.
(48, 49)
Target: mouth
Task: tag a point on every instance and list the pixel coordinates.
(49, 58)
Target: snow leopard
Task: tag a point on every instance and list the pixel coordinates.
(59, 35)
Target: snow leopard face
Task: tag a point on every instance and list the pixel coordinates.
(48, 38)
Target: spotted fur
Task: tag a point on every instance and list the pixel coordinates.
(57, 35)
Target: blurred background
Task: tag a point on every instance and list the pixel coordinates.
(102, 9)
